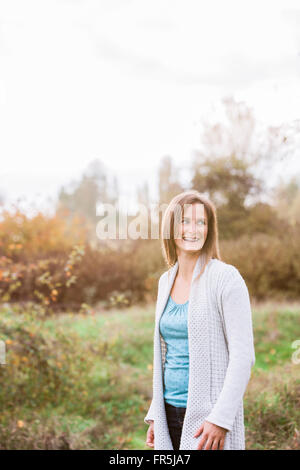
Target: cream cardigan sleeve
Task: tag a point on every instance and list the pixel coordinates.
(237, 321)
(150, 415)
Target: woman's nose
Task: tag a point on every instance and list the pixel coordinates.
(191, 227)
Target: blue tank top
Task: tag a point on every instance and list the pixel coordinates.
(174, 330)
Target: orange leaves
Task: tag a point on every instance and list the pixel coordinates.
(36, 236)
(14, 246)
(15, 360)
(54, 294)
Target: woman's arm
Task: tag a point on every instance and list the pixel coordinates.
(150, 415)
(236, 308)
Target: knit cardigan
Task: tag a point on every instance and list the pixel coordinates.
(221, 355)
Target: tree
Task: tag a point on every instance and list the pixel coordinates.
(234, 133)
(143, 194)
(83, 196)
(168, 180)
(287, 200)
(231, 168)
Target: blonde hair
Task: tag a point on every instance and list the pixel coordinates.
(170, 220)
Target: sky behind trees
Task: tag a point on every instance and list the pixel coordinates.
(128, 81)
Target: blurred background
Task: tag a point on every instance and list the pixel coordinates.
(131, 102)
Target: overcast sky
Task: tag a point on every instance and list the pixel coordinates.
(127, 81)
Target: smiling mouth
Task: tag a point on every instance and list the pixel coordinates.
(188, 239)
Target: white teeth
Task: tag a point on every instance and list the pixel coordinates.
(191, 239)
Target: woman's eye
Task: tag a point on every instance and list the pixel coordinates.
(199, 222)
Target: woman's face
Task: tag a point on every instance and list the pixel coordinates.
(192, 231)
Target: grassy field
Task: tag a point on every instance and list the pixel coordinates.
(85, 381)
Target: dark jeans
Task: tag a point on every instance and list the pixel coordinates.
(175, 417)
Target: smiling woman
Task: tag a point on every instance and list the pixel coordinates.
(193, 227)
(203, 336)
(190, 236)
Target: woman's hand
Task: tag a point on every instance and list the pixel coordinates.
(150, 435)
(213, 434)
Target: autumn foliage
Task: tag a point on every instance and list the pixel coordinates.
(50, 260)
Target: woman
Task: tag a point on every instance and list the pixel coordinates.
(203, 337)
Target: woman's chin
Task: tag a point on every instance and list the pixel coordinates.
(190, 246)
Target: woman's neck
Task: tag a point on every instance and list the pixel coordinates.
(186, 265)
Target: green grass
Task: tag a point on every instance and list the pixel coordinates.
(87, 380)
(275, 330)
